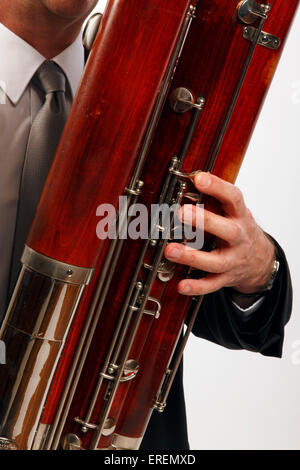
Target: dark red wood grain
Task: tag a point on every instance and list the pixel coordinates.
(211, 64)
(230, 157)
(124, 75)
(106, 127)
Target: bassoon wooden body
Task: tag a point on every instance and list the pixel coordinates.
(169, 88)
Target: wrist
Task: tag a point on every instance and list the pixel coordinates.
(264, 279)
(269, 284)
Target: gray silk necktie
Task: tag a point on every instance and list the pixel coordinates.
(43, 139)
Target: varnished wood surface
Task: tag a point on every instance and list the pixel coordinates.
(219, 69)
(106, 127)
(211, 64)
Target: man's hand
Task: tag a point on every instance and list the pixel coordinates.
(244, 256)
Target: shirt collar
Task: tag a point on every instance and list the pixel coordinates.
(20, 61)
(71, 60)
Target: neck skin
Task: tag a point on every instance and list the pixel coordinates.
(47, 32)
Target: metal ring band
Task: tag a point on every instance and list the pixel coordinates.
(56, 269)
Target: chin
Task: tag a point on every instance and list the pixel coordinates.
(70, 8)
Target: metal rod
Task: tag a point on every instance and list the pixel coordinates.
(138, 291)
(152, 275)
(52, 441)
(191, 131)
(120, 370)
(57, 427)
(137, 172)
(146, 292)
(167, 387)
(213, 157)
(162, 399)
(162, 97)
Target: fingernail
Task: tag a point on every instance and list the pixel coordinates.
(174, 253)
(186, 214)
(185, 289)
(203, 180)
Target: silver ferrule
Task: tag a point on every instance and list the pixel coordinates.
(56, 269)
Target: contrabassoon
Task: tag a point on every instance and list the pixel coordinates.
(170, 88)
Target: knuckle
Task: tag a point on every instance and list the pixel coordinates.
(252, 222)
(235, 232)
(250, 215)
(237, 197)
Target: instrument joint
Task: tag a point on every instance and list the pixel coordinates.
(56, 269)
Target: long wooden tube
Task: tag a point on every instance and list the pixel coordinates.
(128, 69)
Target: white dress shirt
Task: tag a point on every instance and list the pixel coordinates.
(19, 104)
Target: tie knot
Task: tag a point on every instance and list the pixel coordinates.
(50, 78)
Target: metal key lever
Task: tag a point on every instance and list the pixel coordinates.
(154, 313)
(249, 11)
(182, 100)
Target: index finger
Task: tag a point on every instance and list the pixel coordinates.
(229, 195)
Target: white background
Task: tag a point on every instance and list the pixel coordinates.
(237, 399)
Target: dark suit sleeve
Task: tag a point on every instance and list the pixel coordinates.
(221, 322)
